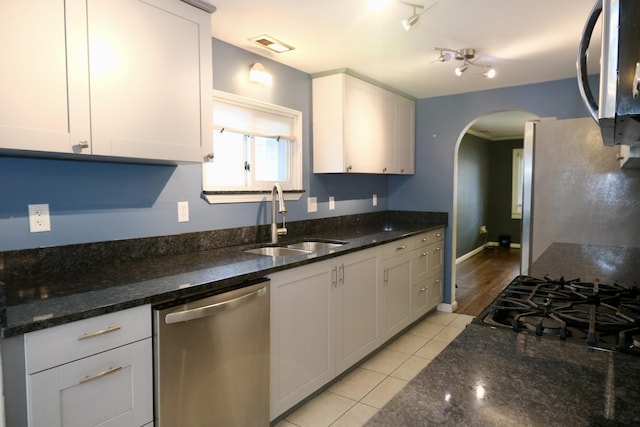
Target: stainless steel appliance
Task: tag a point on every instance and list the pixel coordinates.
(618, 110)
(211, 359)
(597, 315)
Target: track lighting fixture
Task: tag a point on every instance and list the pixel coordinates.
(411, 21)
(467, 57)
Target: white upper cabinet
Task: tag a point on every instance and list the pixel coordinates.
(359, 127)
(123, 79)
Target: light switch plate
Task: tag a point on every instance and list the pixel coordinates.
(312, 204)
(332, 203)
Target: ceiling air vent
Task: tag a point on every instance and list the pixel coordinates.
(272, 44)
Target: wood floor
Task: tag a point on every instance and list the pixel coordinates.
(482, 277)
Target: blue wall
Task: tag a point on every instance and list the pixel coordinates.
(91, 201)
(439, 124)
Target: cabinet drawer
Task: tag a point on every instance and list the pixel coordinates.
(113, 388)
(435, 235)
(421, 240)
(61, 344)
(396, 248)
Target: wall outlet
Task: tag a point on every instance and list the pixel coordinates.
(332, 203)
(312, 204)
(39, 218)
(375, 200)
(183, 211)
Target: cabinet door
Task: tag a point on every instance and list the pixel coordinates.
(113, 388)
(302, 350)
(147, 85)
(396, 295)
(357, 332)
(434, 291)
(404, 136)
(436, 257)
(419, 299)
(365, 127)
(36, 105)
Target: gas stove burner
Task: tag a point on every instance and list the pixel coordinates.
(541, 325)
(603, 316)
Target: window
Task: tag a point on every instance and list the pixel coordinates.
(254, 145)
(517, 183)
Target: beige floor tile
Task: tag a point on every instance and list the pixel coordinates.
(285, 423)
(441, 317)
(409, 369)
(407, 343)
(321, 411)
(385, 362)
(357, 416)
(461, 321)
(357, 383)
(448, 334)
(425, 329)
(432, 349)
(384, 392)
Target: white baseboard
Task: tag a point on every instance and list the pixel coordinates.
(448, 308)
(468, 255)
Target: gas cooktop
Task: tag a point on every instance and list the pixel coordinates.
(600, 316)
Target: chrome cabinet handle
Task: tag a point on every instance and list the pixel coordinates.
(401, 248)
(83, 144)
(341, 274)
(423, 290)
(99, 375)
(334, 277)
(98, 333)
(208, 310)
(424, 254)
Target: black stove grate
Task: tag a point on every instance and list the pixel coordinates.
(603, 316)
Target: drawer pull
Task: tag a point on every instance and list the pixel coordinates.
(100, 375)
(401, 248)
(424, 239)
(98, 333)
(424, 254)
(423, 290)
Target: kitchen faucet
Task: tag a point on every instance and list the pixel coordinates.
(275, 231)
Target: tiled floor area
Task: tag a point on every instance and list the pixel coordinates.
(357, 397)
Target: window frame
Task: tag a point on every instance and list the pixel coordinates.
(293, 189)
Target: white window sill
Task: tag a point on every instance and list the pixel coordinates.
(244, 197)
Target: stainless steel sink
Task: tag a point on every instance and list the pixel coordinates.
(278, 251)
(316, 245)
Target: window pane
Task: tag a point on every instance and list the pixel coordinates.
(227, 169)
(271, 159)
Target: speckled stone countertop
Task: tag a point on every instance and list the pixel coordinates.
(497, 377)
(40, 291)
(491, 377)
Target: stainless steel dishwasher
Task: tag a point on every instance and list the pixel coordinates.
(211, 359)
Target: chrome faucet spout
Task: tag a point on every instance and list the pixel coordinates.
(276, 191)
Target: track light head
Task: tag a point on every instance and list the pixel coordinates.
(462, 69)
(410, 22)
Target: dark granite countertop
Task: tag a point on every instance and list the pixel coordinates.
(491, 377)
(49, 296)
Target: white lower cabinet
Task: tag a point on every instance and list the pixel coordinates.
(323, 320)
(395, 287)
(93, 372)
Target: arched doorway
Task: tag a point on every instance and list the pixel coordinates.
(482, 200)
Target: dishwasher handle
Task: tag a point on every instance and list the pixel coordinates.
(208, 310)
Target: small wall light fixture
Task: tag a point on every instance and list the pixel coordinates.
(258, 74)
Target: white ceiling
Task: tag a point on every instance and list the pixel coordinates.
(525, 41)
